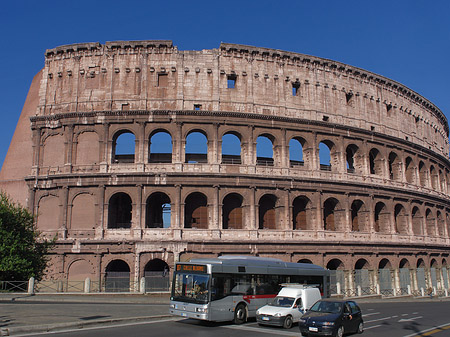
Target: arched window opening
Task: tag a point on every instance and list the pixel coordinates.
(329, 216)
(422, 174)
(404, 263)
(196, 148)
(300, 209)
(231, 149)
(337, 277)
(359, 216)
(361, 264)
(196, 211)
(335, 264)
(420, 263)
(232, 212)
(375, 162)
(431, 227)
(117, 276)
(160, 147)
(264, 150)
(351, 152)
(296, 152)
(123, 147)
(384, 264)
(267, 219)
(308, 261)
(394, 167)
(381, 218)
(401, 219)
(325, 148)
(158, 211)
(156, 273)
(441, 181)
(119, 211)
(434, 178)
(440, 224)
(417, 221)
(409, 171)
(385, 277)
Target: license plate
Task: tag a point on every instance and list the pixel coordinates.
(265, 318)
(183, 314)
(313, 329)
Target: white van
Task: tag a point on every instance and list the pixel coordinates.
(288, 306)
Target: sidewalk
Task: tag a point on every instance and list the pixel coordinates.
(22, 313)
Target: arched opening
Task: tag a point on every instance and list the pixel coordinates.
(196, 148)
(123, 147)
(83, 214)
(308, 261)
(401, 219)
(381, 218)
(264, 150)
(359, 216)
(119, 211)
(362, 277)
(267, 218)
(325, 149)
(434, 266)
(405, 276)
(434, 178)
(79, 270)
(231, 149)
(422, 174)
(337, 276)
(329, 214)
(157, 211)
(352, 162)
(160, 147)
(385, 277)
(232, 212)
(410, 171)
(117, 276)
(420, 274)
(395, 167)
(440, 224)
(87, 148)
(417, 221)
(431, 223)
(296, 151)
(196, 211)
(375, 162)
(300, 210)
(156, 273)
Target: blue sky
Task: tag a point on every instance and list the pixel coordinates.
(405, 40)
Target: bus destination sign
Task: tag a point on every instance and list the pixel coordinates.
(193, 268)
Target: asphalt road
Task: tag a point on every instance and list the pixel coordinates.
(385, 318)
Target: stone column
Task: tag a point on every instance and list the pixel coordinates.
(318, 226)
(137, 224)
(142, 156)
(287, 211)
(217, 221)
(103, 221)
(253, 209)
(64, 220)
(68, 135)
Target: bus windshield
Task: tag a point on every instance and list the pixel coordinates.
(191, 288)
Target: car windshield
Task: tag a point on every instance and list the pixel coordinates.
(281, 301)
(327, 306)
(190, 288)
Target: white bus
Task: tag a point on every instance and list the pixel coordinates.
(234, 287)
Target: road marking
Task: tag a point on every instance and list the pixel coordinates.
(262, 330)
(372, 313)
(405, 315)
(429, 332)
(409, 319)
(372, 327)
(380, 319)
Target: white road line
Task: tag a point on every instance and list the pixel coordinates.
(372, 327)
(409, 319)
(418, 333)
(405, 315)
(372, 313)
(380, 319)
(272, 332)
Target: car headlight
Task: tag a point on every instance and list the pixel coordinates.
(328, 323)
(173, 306)
(202, 310)
(257, 312)
(278, 314)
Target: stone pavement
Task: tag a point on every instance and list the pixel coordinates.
(22, 313)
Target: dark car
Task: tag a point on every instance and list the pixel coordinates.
(330, 317)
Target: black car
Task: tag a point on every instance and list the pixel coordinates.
(330, 317)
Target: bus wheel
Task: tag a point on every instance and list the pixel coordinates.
(240, 314)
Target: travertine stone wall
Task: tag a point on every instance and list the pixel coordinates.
(384, 194)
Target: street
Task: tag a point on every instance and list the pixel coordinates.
(383, 318)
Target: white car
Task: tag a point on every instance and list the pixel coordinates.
(288, 306)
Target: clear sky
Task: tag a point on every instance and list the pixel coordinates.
(405, 40)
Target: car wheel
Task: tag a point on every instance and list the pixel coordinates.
(287, 322)
(240, 314)
(340, 331)
(361, 327)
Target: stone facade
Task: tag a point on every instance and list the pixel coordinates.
(381, 202)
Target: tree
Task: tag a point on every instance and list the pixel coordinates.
(23, 254)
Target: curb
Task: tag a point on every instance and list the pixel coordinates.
(80, 325)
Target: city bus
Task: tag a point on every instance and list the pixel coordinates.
(232, 288)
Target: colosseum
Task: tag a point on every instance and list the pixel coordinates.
(236, 150)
